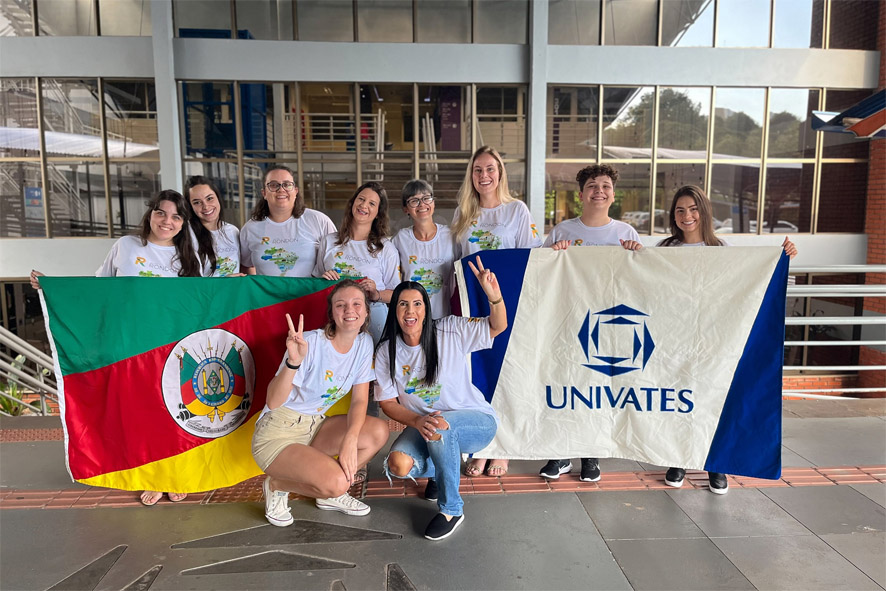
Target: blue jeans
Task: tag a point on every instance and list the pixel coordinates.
(469, 431)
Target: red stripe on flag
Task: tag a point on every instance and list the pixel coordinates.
(116, 417)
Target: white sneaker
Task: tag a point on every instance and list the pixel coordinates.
(276, 505)
(345, 503)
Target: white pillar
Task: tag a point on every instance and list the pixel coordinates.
(537, 113)
(168, 130)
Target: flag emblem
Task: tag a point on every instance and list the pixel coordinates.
(627, 340)
(208, 383)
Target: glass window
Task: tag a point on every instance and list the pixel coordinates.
(18, 118)
(627, 120)
(841, 200)
(738, 127)
(788, 206)
(501, 120)
(67, 18)
(854, 24)
(743, 23)
(516, 179)
(125, 18)
(330, 180)
(790, 128)
(574, 22)
(561, 192)
(71, 107)
(208, 118)
(844, 145)
(16, 19)
(384, 21)
(21, 200)
(683, 122)
(687, 23)
(224, 175)
(210, 19)
(631, 22)
(130, 118)
(264, 19)
(734, 193)
(77, 204)
(325, 20)
(632, 192)
(668, 178)
(443, 21)
(328, 116)
(798, 23)
(133, 184)
(502, 21)
(572, 122)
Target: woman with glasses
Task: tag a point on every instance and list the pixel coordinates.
(426, 249)
(362, 251)
(282, 236)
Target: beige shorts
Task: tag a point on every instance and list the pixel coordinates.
(280, 428)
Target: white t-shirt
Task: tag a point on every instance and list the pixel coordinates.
(226, 242)
(353, 261)
(326, 375)
(129, 258)
(429, 263)
(579, 234)
(725, 243)
(453, 390)
(507, 226)
(284, 249)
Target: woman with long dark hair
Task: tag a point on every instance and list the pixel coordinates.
(300, 448)
(424, 382)
(282, 236)
(692, 224)
(217, 241)
(362, 251)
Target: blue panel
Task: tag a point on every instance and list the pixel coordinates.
(748, 436)
(486, 365)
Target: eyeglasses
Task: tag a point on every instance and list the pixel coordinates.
(415, 201)
(274, 185)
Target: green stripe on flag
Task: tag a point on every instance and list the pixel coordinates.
(96, 321)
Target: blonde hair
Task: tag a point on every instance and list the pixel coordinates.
(469, 199)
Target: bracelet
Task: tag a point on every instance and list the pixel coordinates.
(290, 366)
(498, 301)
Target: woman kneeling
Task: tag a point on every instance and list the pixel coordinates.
(295, 442)
(425, 383)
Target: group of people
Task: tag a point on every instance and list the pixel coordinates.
(394, 337)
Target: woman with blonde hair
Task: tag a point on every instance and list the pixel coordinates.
(489, 218)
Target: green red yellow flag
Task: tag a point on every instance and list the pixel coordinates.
(161, 380)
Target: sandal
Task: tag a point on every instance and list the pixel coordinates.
(176, 497)
(149, 498)
(496, 470)
(473, 469)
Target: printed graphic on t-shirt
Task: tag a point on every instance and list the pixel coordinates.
(148, 274)
(225, 266)
(331, 396)
(282, 258)
(431, 281)
(428, 394)
(485, 240)
(347, 271)
(534, 231)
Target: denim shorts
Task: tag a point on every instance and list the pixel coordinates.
(280, 428)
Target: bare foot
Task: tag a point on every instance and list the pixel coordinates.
(475, 467)
(497, 468)
(176, 497)
(149, 498)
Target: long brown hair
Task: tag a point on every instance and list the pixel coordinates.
(705, 218)
(329, 329)
(379, 227)
(205, 247)
(184, 248)
(262, 210)
(469, 198)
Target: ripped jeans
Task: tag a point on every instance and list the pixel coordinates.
(469, 431)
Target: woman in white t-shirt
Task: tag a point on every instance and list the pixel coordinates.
(295, 443)
(488, 218)
(162, 247)
(217, 242)
(282, 236)
(426, 248)
(692, 224)
(362, 251)
(424, 382)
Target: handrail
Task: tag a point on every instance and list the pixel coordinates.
(838, 269)
(834, 320)
(14, 342)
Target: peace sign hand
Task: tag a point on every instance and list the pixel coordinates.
(296, 345)
(487, 280)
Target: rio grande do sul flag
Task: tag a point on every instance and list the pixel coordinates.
(671, 356)
(161, 380)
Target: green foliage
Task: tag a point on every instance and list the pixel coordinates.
(13, 405)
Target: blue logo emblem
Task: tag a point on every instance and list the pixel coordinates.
(631, 339)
